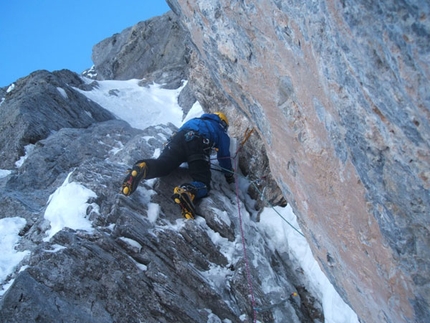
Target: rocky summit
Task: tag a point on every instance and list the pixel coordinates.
(338, 96)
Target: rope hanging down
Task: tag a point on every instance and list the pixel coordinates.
(247, 267)
(248, 272)
(273, 208)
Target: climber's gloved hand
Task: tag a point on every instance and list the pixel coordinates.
(229, 178)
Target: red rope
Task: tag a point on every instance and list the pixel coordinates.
(248, 272)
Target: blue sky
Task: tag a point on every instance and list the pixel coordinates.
(58, 34)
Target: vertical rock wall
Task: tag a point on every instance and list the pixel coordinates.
(339, 92)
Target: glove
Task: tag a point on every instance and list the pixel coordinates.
(229, 178)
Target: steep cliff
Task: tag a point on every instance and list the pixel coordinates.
(339, 93)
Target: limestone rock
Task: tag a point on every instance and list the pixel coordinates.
(154, 50)
(339, 94)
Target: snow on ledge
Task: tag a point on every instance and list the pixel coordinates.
(67, 207)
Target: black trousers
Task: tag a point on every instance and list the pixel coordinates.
(183, 147)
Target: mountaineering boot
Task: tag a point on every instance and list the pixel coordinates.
(184, 196)
(131, 181)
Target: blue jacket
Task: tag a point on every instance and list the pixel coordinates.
(209, 126)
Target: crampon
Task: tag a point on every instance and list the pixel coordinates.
(131, 181)
(184, 199)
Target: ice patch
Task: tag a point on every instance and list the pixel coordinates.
(10, 88)
(62, 92)
(153, 212)
(4, 173)
(132, 243)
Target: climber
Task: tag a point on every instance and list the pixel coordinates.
(192, 144)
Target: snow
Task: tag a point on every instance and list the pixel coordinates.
(10, 88)
(140, 106)
(153, 212)
(143, 107)
(28, 149)
(4, 173)
(67, 207)
(9, 238)
(62, 92)
(285, 238)
(132, 243)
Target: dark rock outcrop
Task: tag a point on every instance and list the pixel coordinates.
(339, 94)
(39, 105)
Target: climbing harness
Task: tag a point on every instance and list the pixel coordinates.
(207, 146)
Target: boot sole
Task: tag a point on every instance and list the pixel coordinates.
(187, 208)
(129, 184)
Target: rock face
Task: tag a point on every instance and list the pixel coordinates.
(159, 50)
(135, 266)
(339, 93)
(154, 49)
(40, 104)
